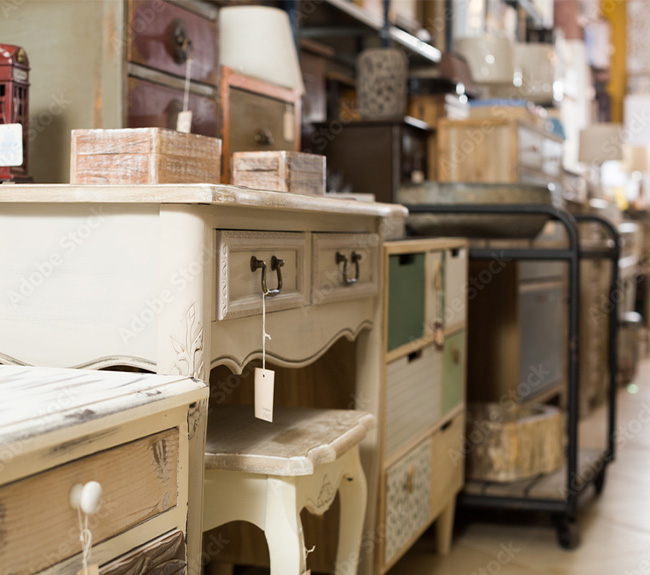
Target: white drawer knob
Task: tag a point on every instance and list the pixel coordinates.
(86, 497)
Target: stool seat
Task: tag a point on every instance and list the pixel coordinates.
(296, 442)
(266, 473)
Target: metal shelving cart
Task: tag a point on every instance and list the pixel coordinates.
(557, 493)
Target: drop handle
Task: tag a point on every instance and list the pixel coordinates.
(409, 484)
(276, 266)
(355, 258)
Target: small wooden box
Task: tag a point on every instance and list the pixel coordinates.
(280, 171)
(144, 156)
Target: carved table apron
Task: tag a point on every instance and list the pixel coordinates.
(94, 276)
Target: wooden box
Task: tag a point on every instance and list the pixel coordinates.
(280, 171)
(144, 156)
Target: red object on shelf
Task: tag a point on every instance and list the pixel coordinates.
(14, 101)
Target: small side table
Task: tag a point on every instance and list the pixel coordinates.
(266, 473)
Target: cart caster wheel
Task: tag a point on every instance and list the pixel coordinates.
(568, 536)
(599, 483)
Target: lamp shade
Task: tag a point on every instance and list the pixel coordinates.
(257, 41)
(490, 58)
(600, 143)
(636, 159)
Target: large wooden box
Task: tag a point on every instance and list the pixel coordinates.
(279, 171)
(144, 156)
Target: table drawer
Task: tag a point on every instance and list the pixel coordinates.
(413, 396)
(155, 106)
(448, 472)
(239, 288)
(344, 266)
(139, 481)
(408, 499)
(455, 286)
(165, 555)
(453, 379)
(406, 298)
(153, 27)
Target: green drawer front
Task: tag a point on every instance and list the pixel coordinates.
(454, 365)
(405, 298)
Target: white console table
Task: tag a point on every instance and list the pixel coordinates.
(159, 277)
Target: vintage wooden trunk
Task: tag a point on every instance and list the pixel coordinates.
(280, 171)
(141, 436)
(144, 156)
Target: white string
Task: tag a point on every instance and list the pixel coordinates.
(86, 538)
(265, 335)
(188, 73)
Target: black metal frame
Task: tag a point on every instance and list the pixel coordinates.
(566, 508)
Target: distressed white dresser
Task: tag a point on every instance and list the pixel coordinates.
(141, 436)
(169, 278)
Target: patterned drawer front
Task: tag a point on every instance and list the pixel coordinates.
(449, 470)
(413, 396)
(154, 26)
(406, 298)
(408, 499)
(155, 106)
(139, 481)
(455, 286)
(239, 288)
(163, 555)
(530, 148)
(453, 379)
(344, 266)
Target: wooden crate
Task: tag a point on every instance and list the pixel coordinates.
(280, 171)
(144, 156)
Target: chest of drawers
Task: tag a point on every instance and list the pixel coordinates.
(140, 436)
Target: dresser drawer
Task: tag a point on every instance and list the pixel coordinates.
(413, 396)
(153, 27)
(165, 555)
(453, 379)
(239, 288)
(139, 481)
(408, 499)
(448, 473)
(258, 122)
(455, 272)
(435, 293)
(406, 298)
(344, 266)
(154, 106)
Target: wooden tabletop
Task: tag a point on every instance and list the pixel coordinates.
(296, 441)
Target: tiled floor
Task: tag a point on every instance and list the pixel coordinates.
(615, 527)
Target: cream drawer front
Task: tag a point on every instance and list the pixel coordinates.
(344, 266)
(449, 472)
(552, 156)
(139, 481)
(413, 396)
(239, 288)
(408, 499)
(530, 148)
(455, 286)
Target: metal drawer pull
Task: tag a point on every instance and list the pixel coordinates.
(264, 137)
(355, 258)
(410, 479)
(276, 265)
(181, 45)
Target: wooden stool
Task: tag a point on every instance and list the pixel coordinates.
(266, 473)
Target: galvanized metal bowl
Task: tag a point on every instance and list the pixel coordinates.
(482, 225)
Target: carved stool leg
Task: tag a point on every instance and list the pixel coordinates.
(283, 528)
(352, 491)
(445, 528)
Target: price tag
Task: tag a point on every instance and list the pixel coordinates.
(11, 144)
(264, 385)
(184, 122)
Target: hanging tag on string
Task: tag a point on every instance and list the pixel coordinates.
(184, 119)
(86, 499)
(264, 378)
